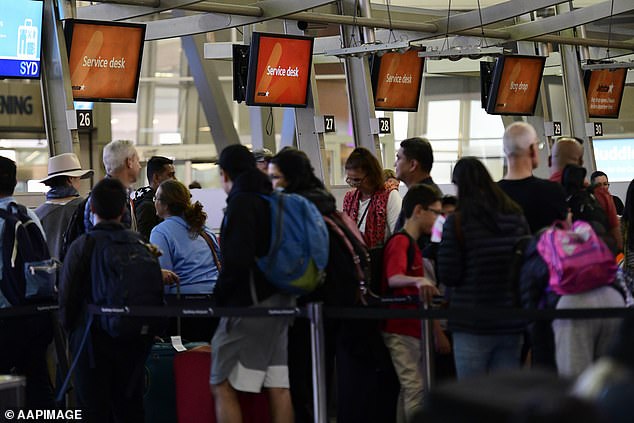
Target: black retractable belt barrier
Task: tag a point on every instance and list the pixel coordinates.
(376, 313)
(197, 311)
(476, 314)
(314, 312)
(27, 310)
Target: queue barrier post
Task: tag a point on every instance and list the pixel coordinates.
(318, 353)
(427, 356)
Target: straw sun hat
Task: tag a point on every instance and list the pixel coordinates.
(66, 164)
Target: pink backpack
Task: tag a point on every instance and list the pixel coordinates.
(577, 259)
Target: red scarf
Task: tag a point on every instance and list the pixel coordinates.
(376, 216)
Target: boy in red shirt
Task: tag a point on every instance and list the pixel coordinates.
(404, 275)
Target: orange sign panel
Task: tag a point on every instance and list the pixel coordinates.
(516, 85)
(105, 60)
(604, 92)
(279, 70)
(397, 84)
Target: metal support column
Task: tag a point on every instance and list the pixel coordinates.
(212, 97)
(146, 96)
(574, 89)
(260, 118)
(318, 352)
(57, 96)
(359, 86)
(308, 139)
(288, 136)
(542, 113)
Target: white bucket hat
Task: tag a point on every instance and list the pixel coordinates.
(66, 164)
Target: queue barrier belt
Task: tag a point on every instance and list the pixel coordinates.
(359, 312)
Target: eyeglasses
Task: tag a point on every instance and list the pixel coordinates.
(354, 182)
(605, 184)
(436, 212)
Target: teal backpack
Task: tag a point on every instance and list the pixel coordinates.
(298, 253)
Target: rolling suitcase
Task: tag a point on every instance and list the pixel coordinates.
(194, 402)
(159, 398)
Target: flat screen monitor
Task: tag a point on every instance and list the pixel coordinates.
(20, 39)
(279, 70)
(104, 59)
(604, 92)
(396, 80)
(515, 85)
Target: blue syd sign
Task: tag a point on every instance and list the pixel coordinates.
(20, 39)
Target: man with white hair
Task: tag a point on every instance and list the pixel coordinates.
(543, 201)
(121, 161)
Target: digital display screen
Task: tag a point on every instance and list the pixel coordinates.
(515, 85)
(279, 70)
(104, 59)
(20, 39)
(604, 92)
(396, 79)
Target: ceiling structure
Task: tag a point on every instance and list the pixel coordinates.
(608, 23)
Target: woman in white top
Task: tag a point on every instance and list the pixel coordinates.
(374, 205)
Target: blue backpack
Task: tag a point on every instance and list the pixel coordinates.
(298, 253)
(29, 275)
(125, 272)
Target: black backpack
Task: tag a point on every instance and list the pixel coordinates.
(584, 205)
(29, 275)
(348, 270)
(74, 229)
(377, 260)
(125, 272)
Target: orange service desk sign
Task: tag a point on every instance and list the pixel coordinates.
(279, 70)
(397, 81)
(104, 59)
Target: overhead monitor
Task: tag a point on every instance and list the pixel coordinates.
(396, 80)
(20, 38)
(515, 85)
(104, 59)
(604, 92)
(279, 70)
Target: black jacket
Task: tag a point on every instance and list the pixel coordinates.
(478, 270)
(145, 212)
(245, 235)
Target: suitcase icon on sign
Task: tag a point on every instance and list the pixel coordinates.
(27, 40)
